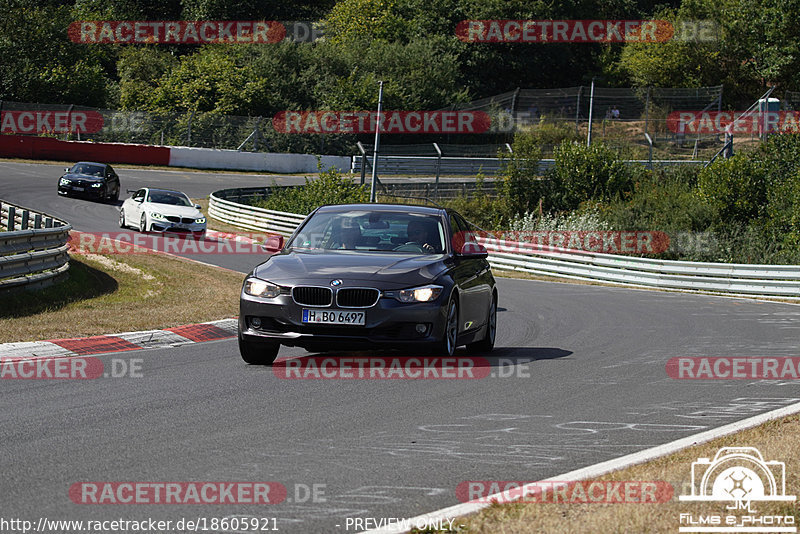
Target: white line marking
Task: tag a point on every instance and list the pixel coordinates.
(602, 468)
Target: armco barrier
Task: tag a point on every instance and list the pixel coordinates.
(728, 278)
(252, 218)
(33, 252)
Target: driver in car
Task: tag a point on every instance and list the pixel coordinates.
(347, 234)
(418, 235)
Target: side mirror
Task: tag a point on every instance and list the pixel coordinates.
(472, 249)
(198, 207)
(273, 244)
(139, 200)
(66, 169)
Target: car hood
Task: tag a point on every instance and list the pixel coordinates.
(381, 269)
(169, 209)
(85, 177)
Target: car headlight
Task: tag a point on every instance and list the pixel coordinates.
(261, 288)
(157, 216)
(201, 220)
(417, 294)
(96, 185)
(64, 181)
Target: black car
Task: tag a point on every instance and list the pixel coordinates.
(371, 275)
(89, 179)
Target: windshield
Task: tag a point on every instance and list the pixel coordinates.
(91, 170)
(372, 231)
(166, 197)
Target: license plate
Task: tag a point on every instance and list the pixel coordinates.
(77, 188)
(355, 318)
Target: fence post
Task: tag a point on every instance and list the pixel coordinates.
(514, 102)
(363, 162)
(69, 114)
(256, 133)
(438, 168)
(646, 109)
(189, 131)
(578, 109)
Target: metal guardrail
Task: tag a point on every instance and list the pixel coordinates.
(727, 278)
(250, 217)
(469, 166)
(33, 250)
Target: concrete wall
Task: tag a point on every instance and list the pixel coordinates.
(207, 158)
(33, 147)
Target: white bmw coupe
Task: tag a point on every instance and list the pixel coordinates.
(162, 210)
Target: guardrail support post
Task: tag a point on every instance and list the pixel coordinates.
(37, 221)
(48, 222)
(23, 225)
(12, 213)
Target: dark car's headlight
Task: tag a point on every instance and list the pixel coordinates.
(64, 181)
(261, 288)
(416, 294)
(97, 185)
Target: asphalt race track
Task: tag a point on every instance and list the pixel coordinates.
(578, 377)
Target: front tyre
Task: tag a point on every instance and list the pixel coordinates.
(487, 343)
(258, 352)
(121, 218)
(447, 345)
(143, 223)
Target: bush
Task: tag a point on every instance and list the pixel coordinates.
(584, 173)
(588, 219)
(663, 200)
(734, 188)
(481, 209)
(520, 188)
(330, 188)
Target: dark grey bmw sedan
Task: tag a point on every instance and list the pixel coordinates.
(356, 276)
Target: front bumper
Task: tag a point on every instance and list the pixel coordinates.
(178, 228)
(388, 324)
(82, 191)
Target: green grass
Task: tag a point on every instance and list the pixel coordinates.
(113, 294)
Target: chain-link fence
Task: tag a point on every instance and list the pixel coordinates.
(636, 120)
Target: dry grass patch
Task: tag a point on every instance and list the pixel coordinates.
(777, 440)
(112, 294)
